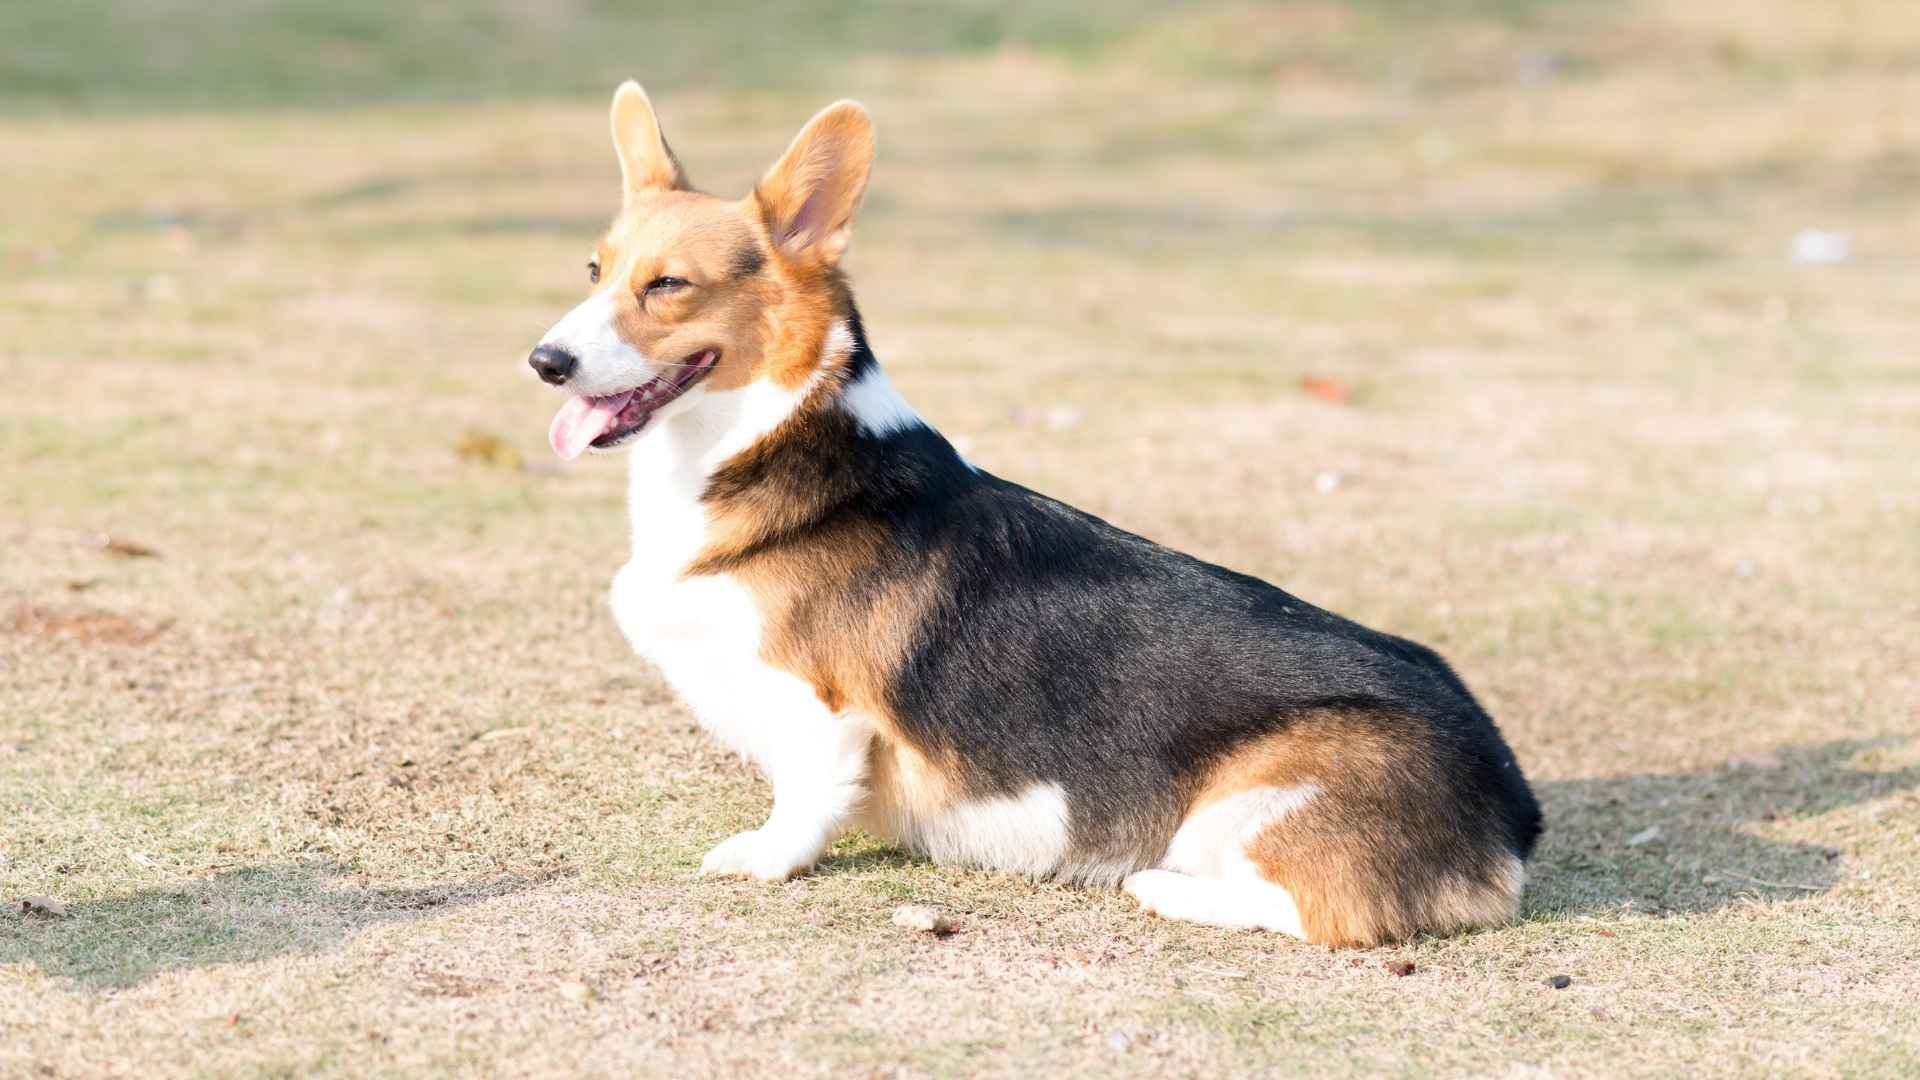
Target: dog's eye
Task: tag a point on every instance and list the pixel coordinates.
(665, 284)
(593, 271)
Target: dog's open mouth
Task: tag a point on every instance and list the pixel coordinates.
(606, 422)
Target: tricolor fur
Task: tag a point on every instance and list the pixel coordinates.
(911, 646)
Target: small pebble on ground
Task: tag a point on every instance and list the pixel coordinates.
(922, 918)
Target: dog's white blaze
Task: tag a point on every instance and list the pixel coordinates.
(1206, 876)
(876, 406)
(608, 363)
(1022, 834)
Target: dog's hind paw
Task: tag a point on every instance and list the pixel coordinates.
(755, 854)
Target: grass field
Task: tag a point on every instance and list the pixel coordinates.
(339, 767)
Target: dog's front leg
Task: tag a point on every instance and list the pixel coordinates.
(818, 770)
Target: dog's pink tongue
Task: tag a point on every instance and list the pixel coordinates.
(582, 420)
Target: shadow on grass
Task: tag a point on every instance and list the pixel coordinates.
(1599, 857)
(1600, 853)
(869, 854)
(1704, 857)
(238, 916)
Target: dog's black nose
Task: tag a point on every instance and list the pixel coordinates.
(554, 364)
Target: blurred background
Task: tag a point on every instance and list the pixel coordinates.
(1574, 337)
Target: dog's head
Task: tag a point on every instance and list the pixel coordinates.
(693, 295)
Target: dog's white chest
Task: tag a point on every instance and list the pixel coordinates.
(704, 636)
(704, 632)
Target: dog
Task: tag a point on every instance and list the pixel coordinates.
(909, 645)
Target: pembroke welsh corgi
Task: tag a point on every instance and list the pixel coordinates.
(912, 646)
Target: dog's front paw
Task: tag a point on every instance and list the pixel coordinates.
(755, 854)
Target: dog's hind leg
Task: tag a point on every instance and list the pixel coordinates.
(1236, 903)
(1371, 825)
(1206, 876)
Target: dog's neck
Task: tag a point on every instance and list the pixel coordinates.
(677, 469)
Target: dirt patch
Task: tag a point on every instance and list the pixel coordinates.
(84, 625)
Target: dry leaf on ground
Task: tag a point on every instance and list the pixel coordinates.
(126, 549)
(1327, 388)
(486, 448)
(82, 624)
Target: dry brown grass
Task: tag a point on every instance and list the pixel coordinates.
(355, 775)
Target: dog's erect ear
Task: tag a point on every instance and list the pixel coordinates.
(646, 162)
(809, 198)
